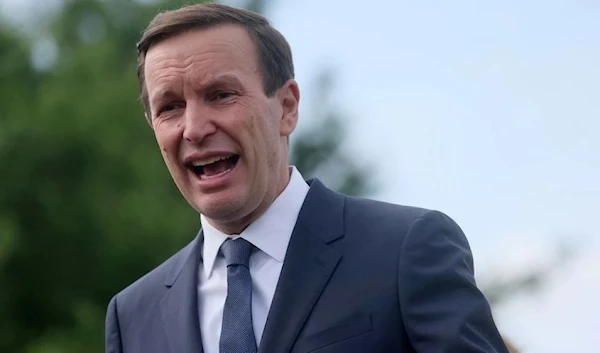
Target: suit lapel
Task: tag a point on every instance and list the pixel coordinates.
(179, 306)
(308, 265)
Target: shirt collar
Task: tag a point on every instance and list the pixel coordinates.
(270, 233)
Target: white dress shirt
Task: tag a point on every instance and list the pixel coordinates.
(270, 234)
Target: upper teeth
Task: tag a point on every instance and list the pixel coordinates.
(203, 162)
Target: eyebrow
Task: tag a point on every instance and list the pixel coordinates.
(214, 82)
(223, 79)
(162, 93)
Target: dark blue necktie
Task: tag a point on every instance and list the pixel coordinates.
(237, 332)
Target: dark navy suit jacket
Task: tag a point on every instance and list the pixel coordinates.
(360, 276)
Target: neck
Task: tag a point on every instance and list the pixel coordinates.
(236, 227)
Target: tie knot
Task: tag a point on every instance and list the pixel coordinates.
(237, 252)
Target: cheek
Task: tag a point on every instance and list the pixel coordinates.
(167, 142)
(165, 153)
(260, 134)
(250, 125)
(242, 129)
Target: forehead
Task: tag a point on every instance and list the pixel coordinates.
(202, 53)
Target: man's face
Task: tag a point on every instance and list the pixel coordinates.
(222, 139)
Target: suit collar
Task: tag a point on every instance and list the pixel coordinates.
(323, 212)
(179, 306)
(190, 252)
(309, 264)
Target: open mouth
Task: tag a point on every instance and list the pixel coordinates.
(214, 167)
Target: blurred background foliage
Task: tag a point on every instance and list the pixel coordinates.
(87, 205)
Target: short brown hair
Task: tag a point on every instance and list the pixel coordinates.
(274, 52)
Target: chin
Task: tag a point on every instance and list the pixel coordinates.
(224, 205)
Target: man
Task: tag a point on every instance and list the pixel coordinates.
(281, 265)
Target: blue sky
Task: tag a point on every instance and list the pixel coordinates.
(486, 110)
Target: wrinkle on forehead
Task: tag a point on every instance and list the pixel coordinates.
(202, 53)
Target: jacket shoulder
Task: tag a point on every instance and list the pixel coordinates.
(384, 220)
(151, 286)
(378, 212)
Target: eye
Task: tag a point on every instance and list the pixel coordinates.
(221, 95)
(170, 107)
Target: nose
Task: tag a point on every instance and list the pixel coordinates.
(198, 123)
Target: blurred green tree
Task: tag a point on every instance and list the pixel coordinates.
(87, 205)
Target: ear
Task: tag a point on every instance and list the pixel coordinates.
(289, 95)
